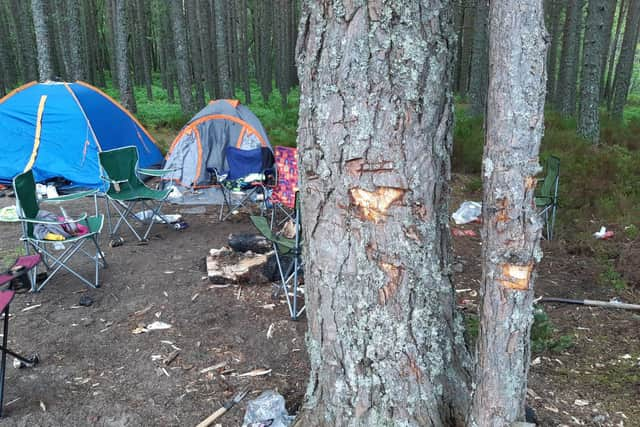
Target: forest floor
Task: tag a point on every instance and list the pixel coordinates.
(94, 370)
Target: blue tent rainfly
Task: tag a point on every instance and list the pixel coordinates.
(58, 128)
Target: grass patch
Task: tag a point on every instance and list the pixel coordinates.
(610, 277)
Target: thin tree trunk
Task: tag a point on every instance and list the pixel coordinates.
(181, 54)
(263, 30)
(73, 33)
(24, 22)
(624, 70)
(385, 340)
(611, 5)
(511, 228)
(45, 65)
(121, 33)
(244, 50)
(225, 88)
(556, 8)
(594, 46)
(109, 9)
(141, 14)
(567, 81)
(480, 60)
(203, 16)
(193, 32)
(608, 86)
(467, 45)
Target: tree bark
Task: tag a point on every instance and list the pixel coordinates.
(45, 65)
(243, 47)
(480, 60)
(181, 55)
(262, 31)
(121, 33)
(567, 81)
(511, 228)
(555, 10)
(608, 86)
(203, 16)
(193, 32)
(611, 6)
(467, 36)
(77, 64)
(141, 14)
(624, 70)
(225, 88)
(594, 46)
(384, 341)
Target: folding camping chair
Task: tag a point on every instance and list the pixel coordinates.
(283, 195)
(27, 208)
(245, 181)
(547, 196)
(286, 248)
(126, 190)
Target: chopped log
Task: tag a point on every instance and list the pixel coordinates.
(227, 266)
(256, 243)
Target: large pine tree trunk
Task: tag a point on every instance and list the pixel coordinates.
(384, 341)
(567, 80)
(480, 60)
(121, 33)
(511, 228)
(181, 49)
(594, 46)
(624, 70)
(45, 65)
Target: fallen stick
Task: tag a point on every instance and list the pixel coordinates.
(590, 302)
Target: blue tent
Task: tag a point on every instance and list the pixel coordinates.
(57, 129)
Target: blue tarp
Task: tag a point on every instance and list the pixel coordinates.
(77, 121)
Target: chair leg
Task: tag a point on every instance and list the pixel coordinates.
(3, 361)
(553, 221)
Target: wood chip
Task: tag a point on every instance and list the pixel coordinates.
(143, 311)
(256, 373)
(194, 297)
(31, 307)
(214, 367)
(270, 331)
(43, 406)
(171, 357)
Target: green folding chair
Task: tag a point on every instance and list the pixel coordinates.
(547, 196)
(126, 191)
(27, 207)
(286, 248)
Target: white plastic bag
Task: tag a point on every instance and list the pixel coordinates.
(467, 212)
(267, 409)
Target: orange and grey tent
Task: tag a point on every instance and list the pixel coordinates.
(202, 144)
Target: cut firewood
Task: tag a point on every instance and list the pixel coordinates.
(225, 266)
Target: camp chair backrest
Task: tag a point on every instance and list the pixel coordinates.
(547, 189)
(287, 173)
(24, 186)
(121, 164)
(243, 162)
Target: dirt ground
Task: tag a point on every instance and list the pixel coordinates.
(95, 371)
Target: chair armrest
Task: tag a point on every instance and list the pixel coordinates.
(69, 197)
(82, 217)
(155, 172)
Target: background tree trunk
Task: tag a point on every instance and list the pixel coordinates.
(193, 33)
(122, 58)
(554, 14)
(594, 46)
(225, 89)
(142, 14)
(385, 342)
(624, 70)
(480, 60)
(467, 45)
(181, 55)
(78, 66)
(608, 86)
(567, 80)
(511, 228)
(45, 66)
